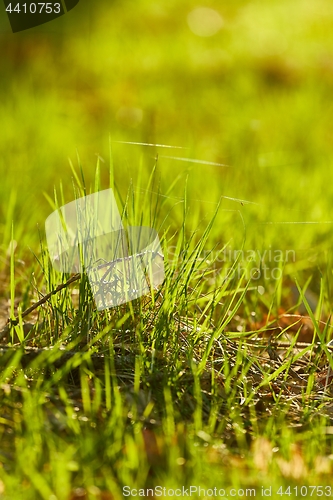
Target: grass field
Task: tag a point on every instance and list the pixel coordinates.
(221, 379)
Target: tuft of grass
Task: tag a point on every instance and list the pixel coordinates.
(164, 390)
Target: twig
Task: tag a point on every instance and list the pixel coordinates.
(112, 263)
(14, 321)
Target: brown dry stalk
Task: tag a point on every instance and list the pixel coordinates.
(14, 321)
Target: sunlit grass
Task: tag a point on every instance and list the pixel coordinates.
(176, 397)
(182, 387)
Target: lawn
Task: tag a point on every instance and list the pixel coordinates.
(212, 123)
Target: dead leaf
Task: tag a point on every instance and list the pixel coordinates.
(262, 451)
(294, 468)
(152, 448)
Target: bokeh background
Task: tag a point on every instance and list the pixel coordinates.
(245, 84)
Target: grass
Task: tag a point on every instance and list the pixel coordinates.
(166, 390)
(221, 377)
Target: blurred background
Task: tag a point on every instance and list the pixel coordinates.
(245, 86)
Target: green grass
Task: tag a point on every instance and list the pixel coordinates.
(185, 386)
(180, 397)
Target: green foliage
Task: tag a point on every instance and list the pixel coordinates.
(183, 386)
